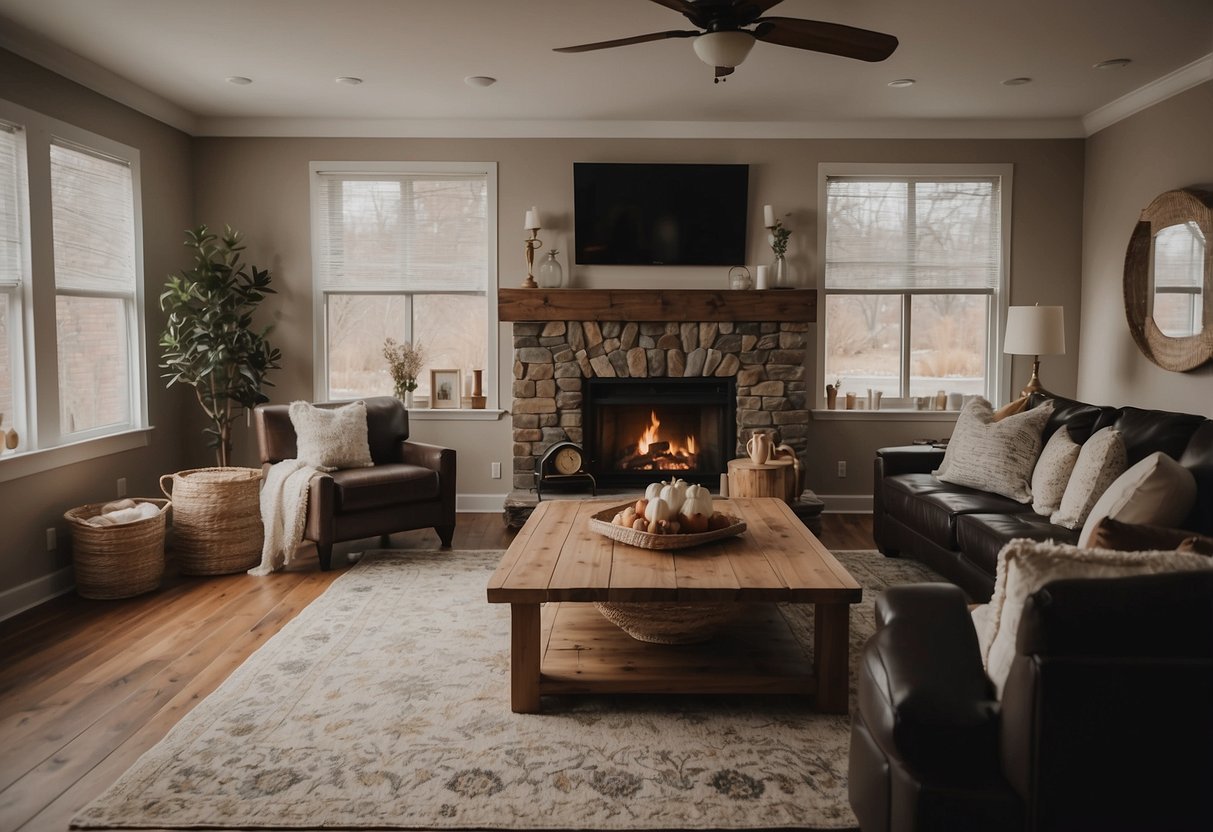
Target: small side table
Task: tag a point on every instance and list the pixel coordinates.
(750, 479)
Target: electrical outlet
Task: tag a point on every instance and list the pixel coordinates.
(495, 470)
(122, 486)
(52, 540)
(842, 468)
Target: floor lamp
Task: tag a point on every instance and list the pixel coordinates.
(1035, 331)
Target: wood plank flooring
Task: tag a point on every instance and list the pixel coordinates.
(88, 686)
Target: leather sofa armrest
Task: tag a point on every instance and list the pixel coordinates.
(922, 690)
(434, 457)
(911, 459)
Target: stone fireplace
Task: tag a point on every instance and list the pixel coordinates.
(762, 363)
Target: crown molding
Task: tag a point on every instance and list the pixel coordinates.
(1158, 90)
(49, 55)
(573, 129)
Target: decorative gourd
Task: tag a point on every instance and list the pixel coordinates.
(653, 491)
(674, 492)
(641, 505)
(657, 511)
(696, 509)
(640, 524)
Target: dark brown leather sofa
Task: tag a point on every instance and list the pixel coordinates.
(1104, 725)
(959, 531)
(410, 486)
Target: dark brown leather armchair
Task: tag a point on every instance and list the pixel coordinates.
(1105, 723)
(410, 486)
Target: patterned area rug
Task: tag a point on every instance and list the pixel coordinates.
(385, 704)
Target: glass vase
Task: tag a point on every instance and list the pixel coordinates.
(780, 278)
(550, 275)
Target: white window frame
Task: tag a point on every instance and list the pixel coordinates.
(44, 446)
(320, 375)
(998, 366)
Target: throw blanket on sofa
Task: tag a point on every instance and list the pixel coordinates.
(283, 512)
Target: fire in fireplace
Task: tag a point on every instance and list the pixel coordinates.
(641, 430)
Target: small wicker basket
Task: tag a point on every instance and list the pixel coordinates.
(217, 526)
(117, 561)
(601, 523)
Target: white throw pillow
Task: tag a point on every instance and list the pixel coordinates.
(995, 456)
(331, 438)
(1052, 472)
(1157, 491)
(1100, 462)
(1024, 566)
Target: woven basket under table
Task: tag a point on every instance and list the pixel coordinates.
(216, 519)
(117, 561)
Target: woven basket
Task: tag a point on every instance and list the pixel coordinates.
(601, 523)
(671, 623)
(117, 561)
(216, 519)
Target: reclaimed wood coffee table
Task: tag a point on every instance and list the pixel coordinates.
(572, 649)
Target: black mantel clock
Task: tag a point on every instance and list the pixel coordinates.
(562, 464)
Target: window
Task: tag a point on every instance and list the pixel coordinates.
(914, 277)
(403, 251)
(71, 329)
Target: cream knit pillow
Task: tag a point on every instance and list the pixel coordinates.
(331, 438)
(1024, 566)
(995, 456)
(1157, 491)
(1052, 472)
(1100, 462)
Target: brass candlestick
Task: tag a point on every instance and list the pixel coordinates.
(533, 243)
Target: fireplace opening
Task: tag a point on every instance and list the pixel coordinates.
(639, 431)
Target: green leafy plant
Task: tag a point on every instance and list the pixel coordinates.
(209, 342)
(779, 238)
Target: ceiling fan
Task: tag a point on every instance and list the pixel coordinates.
(724, 42)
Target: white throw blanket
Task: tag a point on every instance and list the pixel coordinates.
(283, 511)
(123, 511)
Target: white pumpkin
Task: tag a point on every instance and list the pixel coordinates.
(653, 491)
(680, 491)
(696, 509)
(657, 510)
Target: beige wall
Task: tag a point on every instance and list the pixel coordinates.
(31, 504)
(261, 186)
(1167, 146)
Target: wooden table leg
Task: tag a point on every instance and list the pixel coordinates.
(524, 658)
(831, 637)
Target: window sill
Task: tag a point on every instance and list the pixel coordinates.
(885, 415)
(16, 466)
(453, 414)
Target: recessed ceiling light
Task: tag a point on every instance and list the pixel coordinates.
(1016, 82)
(479, 81)
(239, 80)
(348, 80)
(1114, 63)
(903, 82)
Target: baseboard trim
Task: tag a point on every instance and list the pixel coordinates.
(480, 503)
(846, 503)
(38, 591)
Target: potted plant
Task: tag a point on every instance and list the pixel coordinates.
(405, 361)
(209, 341)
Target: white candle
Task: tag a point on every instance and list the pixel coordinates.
(768, 216)
(532, 219)
(761, 282)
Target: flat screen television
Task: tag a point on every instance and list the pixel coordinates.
(663, 215)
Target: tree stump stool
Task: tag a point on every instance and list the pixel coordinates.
(749, 479)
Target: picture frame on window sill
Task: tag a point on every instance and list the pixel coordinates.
(445, 389)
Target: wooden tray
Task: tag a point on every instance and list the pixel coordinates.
(601, 523)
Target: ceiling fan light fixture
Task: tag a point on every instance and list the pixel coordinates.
(723, 48)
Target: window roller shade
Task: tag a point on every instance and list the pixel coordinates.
(410, 233)
(92, 204)
(12, 175)
(913, 234)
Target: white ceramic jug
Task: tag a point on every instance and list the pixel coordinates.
(759, 448)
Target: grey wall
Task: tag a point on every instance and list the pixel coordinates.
(1167, 146)
(31, 504)
(261, 186)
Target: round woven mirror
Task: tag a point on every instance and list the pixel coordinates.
(1168, 281)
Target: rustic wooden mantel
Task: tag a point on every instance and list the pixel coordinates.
(656, 305)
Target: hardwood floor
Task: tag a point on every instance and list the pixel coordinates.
(88, 686)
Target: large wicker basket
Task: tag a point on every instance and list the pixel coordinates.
(216, 519)
(671, 622)
(117, 561)
(601, 523)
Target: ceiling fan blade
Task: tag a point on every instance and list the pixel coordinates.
(607, 44)
(832, 38)
(748, 11)
(680, 6)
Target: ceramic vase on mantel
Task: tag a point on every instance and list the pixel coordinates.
(780, 279)
(550, 275)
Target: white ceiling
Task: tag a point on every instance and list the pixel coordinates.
(414, 55)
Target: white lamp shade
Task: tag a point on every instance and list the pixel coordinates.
(723, 48)
(1035, 330)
